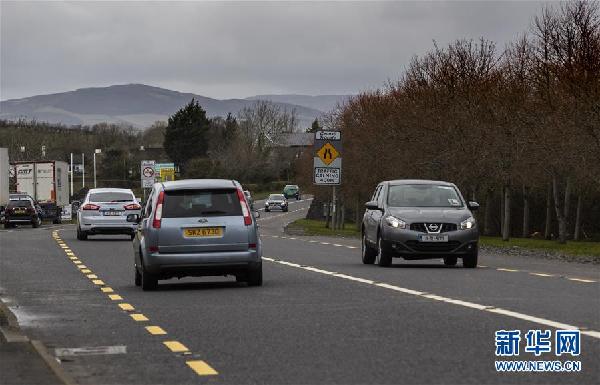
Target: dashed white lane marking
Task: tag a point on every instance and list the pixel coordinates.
(435, 297)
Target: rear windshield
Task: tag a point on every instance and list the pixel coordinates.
(111, 197)
(201, 203)
(19, 203)
(423, 195)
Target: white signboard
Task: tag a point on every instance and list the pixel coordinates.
(67, 213)
(327, 175)
(327, 164)
(147, 173)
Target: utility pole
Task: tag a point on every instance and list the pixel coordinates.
(72, 171)
(96, 151)
(83, 168)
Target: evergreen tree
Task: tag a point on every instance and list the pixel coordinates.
(315, 126)
(185, 135)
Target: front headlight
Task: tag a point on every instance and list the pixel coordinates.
(467, 224)
(395, 222)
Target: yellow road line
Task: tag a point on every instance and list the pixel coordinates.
(581, 280)
(138, 317)
(98, 282)
(67, 250)
(72, 257)
(509, 270)
(201, 368)
(155, 330)
(82, 267)
(542, 274)
(106, 289)
(77, 262)
(92, 276)
(115, 297)
(176, 346)
(126, 306)
(86, 271)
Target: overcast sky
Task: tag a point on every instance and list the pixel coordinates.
(233, 49)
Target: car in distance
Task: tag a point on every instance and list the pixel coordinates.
(249, 199)
(419, 219)
(291, 191)
(276, 201)
(105, 210)
(21, 211)
(196, 227)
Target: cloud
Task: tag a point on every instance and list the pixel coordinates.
(234, 49)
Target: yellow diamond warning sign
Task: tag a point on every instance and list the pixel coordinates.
(327, 153)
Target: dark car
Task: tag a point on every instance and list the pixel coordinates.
(291, 191)
(419, 219)
(276, 201)
(21, 211)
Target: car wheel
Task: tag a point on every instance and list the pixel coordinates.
(450, 261)
(267, 210)
(255, 277)
(470, 261)
(35, 223)
(285, 210)
(384, 258)
(81, 235)
(368, 253)
(132, 236)
(7, 225)
(149, 281)
(138, 277)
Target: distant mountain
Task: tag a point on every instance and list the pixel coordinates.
(138, 105)
(323, 103)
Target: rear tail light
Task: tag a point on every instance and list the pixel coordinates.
(245, 208)
(153, 249)
(158, 210)
(31, 210)
(252, 245)
(132, 206)
(8, 211)
(90, 206)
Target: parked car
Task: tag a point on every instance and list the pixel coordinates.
(291, 191)
(249, 199)
(196, 227)
(419, 219)
(20, 196)
(276, 201)
(21, 211)
(105, 210)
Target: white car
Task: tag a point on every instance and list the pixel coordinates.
(105, 210)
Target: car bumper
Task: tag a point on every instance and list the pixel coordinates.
(106, 225)
(209, 263)
(405, 244)
(19, 219)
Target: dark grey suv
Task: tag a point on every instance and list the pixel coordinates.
(419, 219)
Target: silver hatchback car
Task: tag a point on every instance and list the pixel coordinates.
(105, 210)
(196, 227)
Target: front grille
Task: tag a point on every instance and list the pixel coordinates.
(445, 227)
(433, 246)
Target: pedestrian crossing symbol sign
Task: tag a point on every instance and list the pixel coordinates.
(327, 153)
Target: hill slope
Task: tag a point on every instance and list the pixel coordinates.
(135, 104)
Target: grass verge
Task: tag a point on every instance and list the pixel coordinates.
(314, 227)
(570, 248)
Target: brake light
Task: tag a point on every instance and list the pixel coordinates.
(245, 208)
(252, 246)
(90, 206)
(158, 210)
(9, 211)
(132, 206)
(153, 249)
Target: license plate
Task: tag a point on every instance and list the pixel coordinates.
(113, 213)
(433, 238)
(203, 232)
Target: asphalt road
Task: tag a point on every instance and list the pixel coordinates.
(321, 317)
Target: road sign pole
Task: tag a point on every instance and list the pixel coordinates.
(333, 209)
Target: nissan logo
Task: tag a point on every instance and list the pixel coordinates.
(433, 227)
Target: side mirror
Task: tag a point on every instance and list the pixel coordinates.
(133, 218)
(372, 205)
(473, 206)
